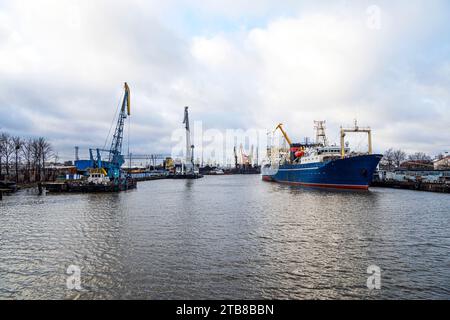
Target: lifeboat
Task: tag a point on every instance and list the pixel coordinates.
(299, 154)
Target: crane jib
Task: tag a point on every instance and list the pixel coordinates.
(126, 99)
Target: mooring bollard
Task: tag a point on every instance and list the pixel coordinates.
(40, 188)
(1, 195)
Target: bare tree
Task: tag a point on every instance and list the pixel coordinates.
(44, 151)
(419, 156)
(56, 157)
(6, 150)
(399, 156)
(2, 145)
(27, 153)
(36, 159)
(17, 144)
(35, 152)
(388, 158)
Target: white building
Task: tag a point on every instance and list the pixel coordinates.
(443, 163)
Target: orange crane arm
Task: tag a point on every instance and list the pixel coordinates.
(280, 126)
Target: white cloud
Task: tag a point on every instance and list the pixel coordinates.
(331, 66)
(62, 65)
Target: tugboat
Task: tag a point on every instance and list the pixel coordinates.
(99, 177)
(322, 165)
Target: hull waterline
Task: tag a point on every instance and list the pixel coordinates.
(349, 173)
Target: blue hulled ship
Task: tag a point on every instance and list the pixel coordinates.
(321, 165)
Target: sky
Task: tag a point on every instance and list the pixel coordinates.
(237, 64)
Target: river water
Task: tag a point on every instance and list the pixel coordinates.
(225, 237)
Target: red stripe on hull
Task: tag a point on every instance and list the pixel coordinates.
(321, 185)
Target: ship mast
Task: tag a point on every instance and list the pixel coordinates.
(356, 129)
(321, 137)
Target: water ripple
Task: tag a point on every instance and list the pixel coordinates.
(225, 238)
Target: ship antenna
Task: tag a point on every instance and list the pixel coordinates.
(321, 137)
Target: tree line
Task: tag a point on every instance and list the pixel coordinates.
(393, 158)
(23, 159)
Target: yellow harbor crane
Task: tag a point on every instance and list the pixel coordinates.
(280, 127)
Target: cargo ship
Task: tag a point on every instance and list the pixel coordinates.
(321, 165)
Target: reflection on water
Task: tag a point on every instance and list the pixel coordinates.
(225, 237)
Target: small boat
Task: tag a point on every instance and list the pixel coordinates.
(98, 176)
(217, 172)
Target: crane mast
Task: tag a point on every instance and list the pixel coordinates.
(235, 158)
(189, 163)
(321, 137)
(250, 156)
(241, 153)
(115, 153)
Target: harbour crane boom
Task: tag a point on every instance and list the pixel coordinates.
(286, 137)
(115, 153)
(189, 147)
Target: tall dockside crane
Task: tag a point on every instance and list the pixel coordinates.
(189, 161)
(244, 157)
(112, 167)
(116, 159)
(250, 156)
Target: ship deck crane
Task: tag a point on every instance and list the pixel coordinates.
(286, 137)
(356, 129)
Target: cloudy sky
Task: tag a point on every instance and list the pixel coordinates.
(237, 64)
